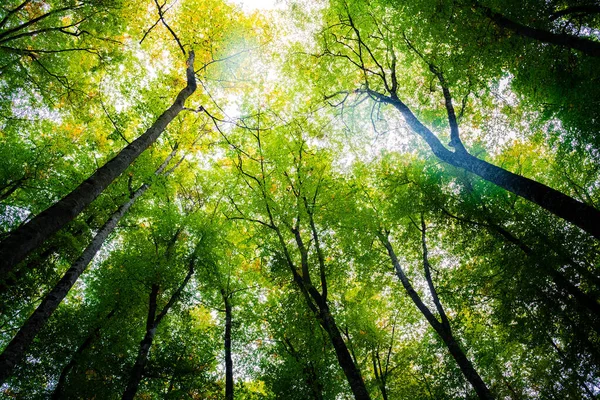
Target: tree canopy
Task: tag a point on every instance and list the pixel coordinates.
(324, 199)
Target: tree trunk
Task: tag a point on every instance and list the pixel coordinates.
(14, 352)
(585, 45)
(312, 380)
(311, 377)
(152, 323)
(343, 355)
(442, 329)
(379, 376)
(228, 360)
(142, 358)
(583, 299)
(566, 207)
(465, 365)
(317, 303)
(29, 236)
(321, 310)
(58, 391)
(20, 343)
(584, 216)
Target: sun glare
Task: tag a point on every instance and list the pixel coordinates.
(252, 5)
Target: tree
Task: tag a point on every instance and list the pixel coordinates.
(367, 205)
(441, 326)
(26, 238)
(13, 353)
(152, 323)
(378, 72)
(304, 199)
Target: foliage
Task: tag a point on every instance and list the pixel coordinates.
(286, 172)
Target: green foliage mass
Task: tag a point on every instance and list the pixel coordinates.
(283, 176)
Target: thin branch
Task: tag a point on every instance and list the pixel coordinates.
(162, 19)
(454, 132)
(13, 11)
(586, 9)
(432, 289)
(114, 124)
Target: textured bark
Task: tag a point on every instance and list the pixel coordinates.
(584, 216)
(142, 358)
(60, 386)
(343, 355)
(443, 328)
(14, 352)
(228, 360)
(152, 323)
(29, 236)
(587, 46)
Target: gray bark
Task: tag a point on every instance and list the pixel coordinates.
(584, 216)
(442, 328)
(19, 243)
(14, 352)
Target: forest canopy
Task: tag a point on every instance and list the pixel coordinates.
(302, 199)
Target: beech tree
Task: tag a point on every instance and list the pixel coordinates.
(346, 199)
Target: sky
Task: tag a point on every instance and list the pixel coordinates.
(251, 5)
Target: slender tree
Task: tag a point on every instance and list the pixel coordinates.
(441, 326)
(228, 361)
(58, 392)
(19, 243)
(362, 55)
(16, 349)
(152, 322)
(316, 300)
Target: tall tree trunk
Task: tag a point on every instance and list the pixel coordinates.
(584, 216)
(228, 360)
(152, 323)
(19, 243)
(142, 358)
(318, 305)
(585, 45)
(15, 350)
(343, 355)
(316, 302)
(380, 376)
(442, 328)
(327, 321)
(60, 386)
